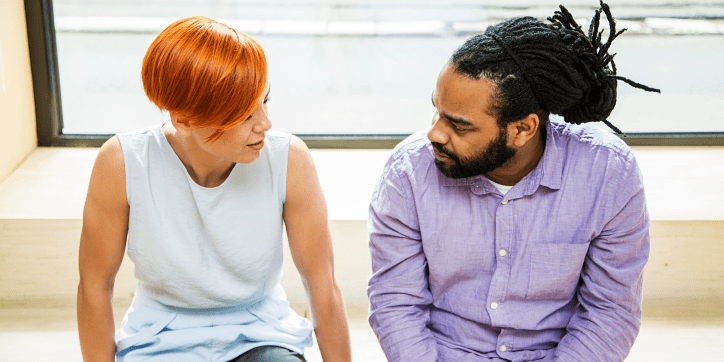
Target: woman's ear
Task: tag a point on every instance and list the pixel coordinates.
(182, 126)
(519, 132)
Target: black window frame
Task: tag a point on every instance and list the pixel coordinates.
(49, 115)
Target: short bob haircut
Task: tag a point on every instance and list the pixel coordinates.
(204, 73)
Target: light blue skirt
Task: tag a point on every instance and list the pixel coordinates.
(151, 330)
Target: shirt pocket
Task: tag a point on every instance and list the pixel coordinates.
(555, 269)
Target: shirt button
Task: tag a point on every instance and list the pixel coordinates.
(502, 252)
(494, 305)
(504, 202)
(503, 348)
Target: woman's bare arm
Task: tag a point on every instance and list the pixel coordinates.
(102, 244)
(305, 215)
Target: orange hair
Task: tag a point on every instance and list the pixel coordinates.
(205, 73)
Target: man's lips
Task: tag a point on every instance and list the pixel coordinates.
(439, 154)
(441, 157)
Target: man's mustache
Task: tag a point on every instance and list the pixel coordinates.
(441, 149)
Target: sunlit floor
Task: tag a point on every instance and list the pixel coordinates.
(50, 335)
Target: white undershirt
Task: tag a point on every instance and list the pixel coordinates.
(502, 188)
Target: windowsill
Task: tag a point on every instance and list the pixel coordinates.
(682, 183)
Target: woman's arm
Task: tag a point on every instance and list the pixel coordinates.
(102, 244)
(305, 215)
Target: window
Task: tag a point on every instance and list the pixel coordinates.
(355, 74)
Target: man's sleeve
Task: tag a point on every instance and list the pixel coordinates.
(398, 288)
(609, 316)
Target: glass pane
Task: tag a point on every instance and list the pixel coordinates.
(369, 67)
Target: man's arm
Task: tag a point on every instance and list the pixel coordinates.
(398, 289)
(609, 316)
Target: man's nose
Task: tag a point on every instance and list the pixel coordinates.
(437, 133)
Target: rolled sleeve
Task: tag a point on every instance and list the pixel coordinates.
(398, 288)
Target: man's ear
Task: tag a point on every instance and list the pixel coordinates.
(522, 130)
(182, 126)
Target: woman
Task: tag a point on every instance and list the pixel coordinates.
(199, 202)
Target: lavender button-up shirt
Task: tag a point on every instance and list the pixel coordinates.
(550, 271)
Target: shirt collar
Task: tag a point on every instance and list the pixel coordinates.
(479, 185)
(549, 171)
(446, 181)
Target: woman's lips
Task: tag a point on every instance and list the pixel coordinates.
(257, 146)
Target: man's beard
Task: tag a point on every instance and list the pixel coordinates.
(495, 155)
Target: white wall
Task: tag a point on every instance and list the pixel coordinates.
(17, 109)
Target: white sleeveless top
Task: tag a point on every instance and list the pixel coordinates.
(207, 248)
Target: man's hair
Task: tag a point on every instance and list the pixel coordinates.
(205, 73)
(546, 68)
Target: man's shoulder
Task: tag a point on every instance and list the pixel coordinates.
(587, 140)
(413, 151)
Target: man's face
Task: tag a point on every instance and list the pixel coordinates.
(465, 137)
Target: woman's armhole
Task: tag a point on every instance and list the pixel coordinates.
(297, 155)
(112, 154)
(287, 156)
(124, 161)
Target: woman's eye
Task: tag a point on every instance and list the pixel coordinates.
(267, 99)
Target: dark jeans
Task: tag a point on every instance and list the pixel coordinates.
(269, 354)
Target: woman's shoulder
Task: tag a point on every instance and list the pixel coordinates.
(280, 135)
(148, 130)
(107, 183)
(276, 143)
(138, 139)
(300, 166)
(110, 154)
(298, 150)
(277, 140)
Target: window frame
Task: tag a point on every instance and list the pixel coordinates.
(49, 115)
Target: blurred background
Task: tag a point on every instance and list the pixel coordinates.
(369, 67)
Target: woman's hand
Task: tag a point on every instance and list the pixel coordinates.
(305, 216)
(102, 244)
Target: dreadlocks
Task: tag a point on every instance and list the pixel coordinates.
(547, 68)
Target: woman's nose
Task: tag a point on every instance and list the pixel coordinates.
(263, 125)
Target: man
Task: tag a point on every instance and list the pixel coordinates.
(503, 234)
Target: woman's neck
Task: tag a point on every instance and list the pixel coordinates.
(205, 169)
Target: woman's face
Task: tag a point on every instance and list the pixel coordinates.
(241, 143)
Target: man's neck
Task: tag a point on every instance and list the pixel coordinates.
(526, 159)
